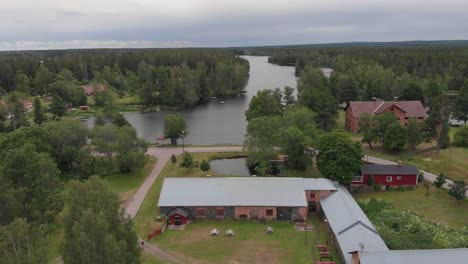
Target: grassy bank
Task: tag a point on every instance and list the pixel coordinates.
(439, 207)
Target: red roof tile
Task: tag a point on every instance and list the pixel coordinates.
(411, 108)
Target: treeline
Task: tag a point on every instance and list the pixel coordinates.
(36, 162)
(173, 77)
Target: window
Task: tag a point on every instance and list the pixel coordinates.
(389, 178)
(200, 211)
(312, 196)
(220, 211)
(398, 177)
(358, 178)
(269, 212)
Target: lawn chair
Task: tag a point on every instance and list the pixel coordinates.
(230, 232)
(322, 248)
(269, 229)
(214, 232)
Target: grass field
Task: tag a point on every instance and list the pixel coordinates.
(250, 244)
(439, 207)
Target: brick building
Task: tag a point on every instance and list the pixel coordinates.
(243, 197)
(402, 110)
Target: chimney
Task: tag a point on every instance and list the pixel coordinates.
(374, 99)
(395, 99)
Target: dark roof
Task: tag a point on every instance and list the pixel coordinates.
(180, 211)
(389, 169)
(411, 108)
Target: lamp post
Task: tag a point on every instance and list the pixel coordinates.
(183, 143)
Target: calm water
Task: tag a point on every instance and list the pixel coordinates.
(234, 167)
(214, 123)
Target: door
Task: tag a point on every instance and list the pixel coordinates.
(312, 207)
(177, 220)
(283, 213)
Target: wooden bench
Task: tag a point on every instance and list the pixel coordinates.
(321, 247)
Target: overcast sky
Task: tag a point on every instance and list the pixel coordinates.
(42, 24)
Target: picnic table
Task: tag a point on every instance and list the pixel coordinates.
(269, 229)
(322, 247)
(229, 232)
(214, 232)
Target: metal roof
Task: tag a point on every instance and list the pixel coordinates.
(350, 225)
(239, 191)
(179, 211)
(426, 256)
(402, 169)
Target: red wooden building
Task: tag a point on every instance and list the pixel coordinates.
(402, 110)
(178, 216)
(388, 175)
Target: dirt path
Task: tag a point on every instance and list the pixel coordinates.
(163, 155)
(427, 175)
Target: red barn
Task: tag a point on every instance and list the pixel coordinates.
(388, 175)
(402, 110)
(178, 216)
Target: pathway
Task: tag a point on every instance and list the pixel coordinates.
(427, 175)
(163, 155)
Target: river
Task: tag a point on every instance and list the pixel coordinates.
(214, 123)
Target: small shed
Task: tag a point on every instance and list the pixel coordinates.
(178, 216)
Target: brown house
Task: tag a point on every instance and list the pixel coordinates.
(402, 110)
(243, 197)
(91, 89)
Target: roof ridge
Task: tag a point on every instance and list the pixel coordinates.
(355, 224)
(383, 102)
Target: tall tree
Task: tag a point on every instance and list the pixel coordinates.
(174, 127)
(410, 90)
(413, 133)
(58, 107)
(365, 127)
(23, 243)
(42, 80)
(461, 103)
(97, 229)
(395, 137)
(264, 103)
(39, 117)
(288, 96)
(321, 101)
(339, 158)
(17, 111)
(294, 144)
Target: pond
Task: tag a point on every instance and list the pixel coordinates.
(234, 167)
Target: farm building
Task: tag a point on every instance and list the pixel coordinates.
(402, 110)
(242, 197)
(388, 175)
(90, 89)
(426, 256)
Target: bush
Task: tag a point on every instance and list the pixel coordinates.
(461, 137)
(173, 159)
(371, 181)
(421, 176)
(457, 190)
(377, 187)
(204, 166)
(440, 180)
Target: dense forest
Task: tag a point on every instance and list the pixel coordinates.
(182, 77)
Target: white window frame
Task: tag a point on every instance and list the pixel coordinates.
(398, 177)
(358, 177)
(389, 178)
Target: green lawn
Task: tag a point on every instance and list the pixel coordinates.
(145, 220)
(438, 207)
(126, 184)
(250, 244)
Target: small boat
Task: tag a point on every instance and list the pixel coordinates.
(221, 102)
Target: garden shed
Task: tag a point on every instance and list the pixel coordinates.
(178, 216)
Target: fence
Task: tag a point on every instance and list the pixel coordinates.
(158, 231)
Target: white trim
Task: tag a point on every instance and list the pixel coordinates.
(398, 177)
(355, 178)
(389, 177)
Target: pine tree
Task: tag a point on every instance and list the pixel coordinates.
(39, 117)
(413, 133)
